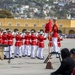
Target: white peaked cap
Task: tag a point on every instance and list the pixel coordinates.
(9, 30)
(38, 31)
(26, 30)
(32, 31)
(55, 18)
(41, 32)
(29, 31)
(4, 31)
(20, 32)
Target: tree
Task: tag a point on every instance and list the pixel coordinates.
(61, 14)
(5, 14)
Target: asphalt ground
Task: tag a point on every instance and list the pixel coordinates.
(27, 66)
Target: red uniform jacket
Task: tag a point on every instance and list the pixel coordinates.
(33, 39)
(55, 31)
(21, 40)
(18, 42)
(10, 38)
(41, 41)
(27, 39)
(1, 38)
(50, 41)
(38, 40)
(5, 39)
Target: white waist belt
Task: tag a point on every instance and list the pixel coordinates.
(17, 41)
(41, 42)
(10, 40)
(5, 40)
(27, 40)
(33, 40)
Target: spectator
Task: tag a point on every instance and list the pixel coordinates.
(72, 53)
(67, 64)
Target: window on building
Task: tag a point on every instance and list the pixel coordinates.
(9, 24)
(26, 24)
(35, 24)
(0, 23)
(60, 25)
(18, 24)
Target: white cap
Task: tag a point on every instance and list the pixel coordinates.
(28, 31)
(32, 31)
(9, 30)
(41, 32)
(55, 18)
(4, 31)
(38, 31)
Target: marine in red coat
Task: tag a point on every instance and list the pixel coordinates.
(41, 45)
(26, 51)
(33, 43)
(55, 35)
(5, 38)
(27, 39)
(41, 40)
(18, 38)
(33, 39)
(55, 30)
(37, 49)
(5, 42)
(10, 38)
(18, 50)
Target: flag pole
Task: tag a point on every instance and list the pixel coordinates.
(48, 29)
(49, 64)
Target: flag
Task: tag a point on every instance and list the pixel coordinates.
(48, 26)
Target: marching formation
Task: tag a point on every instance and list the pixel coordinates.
(24, 44)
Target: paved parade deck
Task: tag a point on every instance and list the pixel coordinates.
(27, 66)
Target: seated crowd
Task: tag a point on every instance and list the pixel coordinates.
(67, 66)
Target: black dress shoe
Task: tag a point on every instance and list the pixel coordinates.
(41, 58)
(37, 57)
(57, 56)
(19, 56)
(15, 56)
(11, 58)
(5, 57)
(23, 55)
(28, 55)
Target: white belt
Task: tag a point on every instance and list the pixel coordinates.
(33, 40)
(21, 41)
(10, 40)
(27, 40)
(17, 41)
(58, 42)
(50, 41)
(41, 42)
(5, 40)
